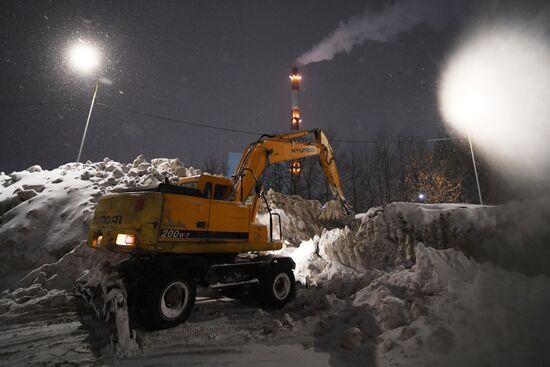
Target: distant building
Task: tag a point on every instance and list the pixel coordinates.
(233, 160)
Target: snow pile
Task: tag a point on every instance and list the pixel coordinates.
(312, 268)
(51, 285)
(63, 273)
(44, 214)
(81, 270)
(299, 217)
(446, 309)
(449, 310)
(514, 236)
(381, 239)
(414, 284)
(29, 299)
(333, 214)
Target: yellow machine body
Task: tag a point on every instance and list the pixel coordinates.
(178, 223)
(207, 214)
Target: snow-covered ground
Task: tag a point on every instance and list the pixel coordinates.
(404, 284)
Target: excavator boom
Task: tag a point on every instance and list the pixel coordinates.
(272, 149)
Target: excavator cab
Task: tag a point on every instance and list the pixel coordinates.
(211, 187)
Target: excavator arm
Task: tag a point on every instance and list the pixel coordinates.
(272, 149)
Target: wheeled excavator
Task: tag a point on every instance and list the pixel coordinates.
(202, 231)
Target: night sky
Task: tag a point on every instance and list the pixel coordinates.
(221, 63)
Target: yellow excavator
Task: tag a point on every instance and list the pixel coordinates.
(203, 231)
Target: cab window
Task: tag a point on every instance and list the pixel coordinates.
(189, 185)
(207, 192)
(219, 192)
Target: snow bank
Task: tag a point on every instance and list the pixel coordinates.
(447, 309)
(450, 310)
(44, 214)
(30, 299)
(314, 269)
(514, 236)
(73, 265)
(416, 284)
(301, 219)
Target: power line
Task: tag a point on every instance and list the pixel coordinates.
(191, 123)
(392, 141)
(249, 132)
(203, 125)
(32, 103)
(443, 139)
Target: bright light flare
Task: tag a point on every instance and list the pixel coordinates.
(496, 85)
(125, 239)
(84, 57)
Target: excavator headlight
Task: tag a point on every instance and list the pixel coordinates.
(125, 239)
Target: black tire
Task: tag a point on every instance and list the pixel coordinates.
(168, 301)
(277, 287)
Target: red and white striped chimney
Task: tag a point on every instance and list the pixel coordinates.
(295, 120)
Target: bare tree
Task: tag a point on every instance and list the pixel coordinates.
(367, 179)
(431, 179)
(213, 165)
(311, 174)
(277, 178)
(353, 174)
(383, 162)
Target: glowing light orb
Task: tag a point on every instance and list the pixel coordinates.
(496, 85)
(84, 57)
(421, 196)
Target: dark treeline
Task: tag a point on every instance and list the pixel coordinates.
(395, 167)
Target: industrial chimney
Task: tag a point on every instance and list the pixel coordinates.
(295, 120)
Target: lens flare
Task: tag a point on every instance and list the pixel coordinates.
(496, 85)
(83, 57)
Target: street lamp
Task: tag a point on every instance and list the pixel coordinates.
(84, 58)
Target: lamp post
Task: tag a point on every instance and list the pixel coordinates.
(475, 168)
(88, 122)
(84, 58)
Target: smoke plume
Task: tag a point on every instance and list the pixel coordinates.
(381, 26)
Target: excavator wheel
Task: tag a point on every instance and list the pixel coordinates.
(168, 301)
(277, 286)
